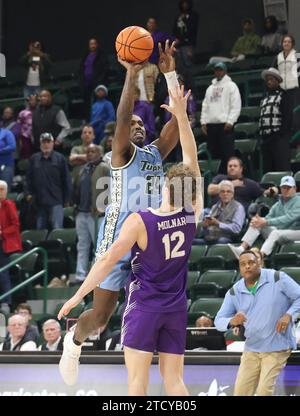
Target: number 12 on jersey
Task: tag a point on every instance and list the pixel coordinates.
(172, 253)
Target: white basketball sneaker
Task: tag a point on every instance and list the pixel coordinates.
(237, 251)
(69, 362)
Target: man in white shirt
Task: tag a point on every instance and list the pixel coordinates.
(16, 340)
(220, 111)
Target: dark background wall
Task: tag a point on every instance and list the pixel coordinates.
(64, 26)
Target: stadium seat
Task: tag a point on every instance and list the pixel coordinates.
(288, 255)
(273, 178)
(213, 283)
(204, 306)
(293, 272)
(211, 166)
(192, 279)
(246, 130)
(197, 252)
(249, 114)
(297, 179)
(220, 257)
(245, 146)
(23, 165)
(34, 237)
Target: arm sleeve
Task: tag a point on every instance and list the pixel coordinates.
(235, 105)
(62, 121)
(67, 182)
(204, 112)
(9, 145)
(225, 314)
(283, 221)
(13, 220)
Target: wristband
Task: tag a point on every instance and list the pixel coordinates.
(172, 82)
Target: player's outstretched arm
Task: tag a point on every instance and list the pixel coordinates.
(187, 138)
(129, 235)
(169, 135)
(121, 147)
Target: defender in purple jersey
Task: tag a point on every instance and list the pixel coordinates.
(156, 312)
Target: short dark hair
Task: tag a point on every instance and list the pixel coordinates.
(289, 36)
(238, 159)
(24, 306)
(248, 252)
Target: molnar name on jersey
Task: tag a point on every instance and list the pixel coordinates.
(176, 222)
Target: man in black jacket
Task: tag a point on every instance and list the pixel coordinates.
(49, 182)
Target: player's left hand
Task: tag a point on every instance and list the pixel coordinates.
(68, 306)
(283, 323)
(166, 57)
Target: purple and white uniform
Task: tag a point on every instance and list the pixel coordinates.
(155, 316)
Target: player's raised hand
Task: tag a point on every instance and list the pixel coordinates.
(166, 57)
(178, 102)
(68, 306)
(132, 66)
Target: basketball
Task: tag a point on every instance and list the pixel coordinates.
(134, 44)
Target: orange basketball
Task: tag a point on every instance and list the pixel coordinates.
(134, 44)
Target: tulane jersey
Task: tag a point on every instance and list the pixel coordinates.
(134, 187)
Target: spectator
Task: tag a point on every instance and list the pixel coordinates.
(275, 124)
(86, 193)
(92, 72)
(49, 182)
(265, 303)
(146, 80)
(158, 37)
(104, 339)
(37, 64)
(288, 62)
(144, 110)
(49, 118)
(10, 239)
(7, 162)
(102, 112)
(204, 322)
(185, 31)
(9, 122)
(225, 220)
(25, 122)
(271, 40)
(78, 153)
(16, 340)
(32, 332)
(249, 43)
(220, 110)
(281, 224)
(245, 190)
(52, 336)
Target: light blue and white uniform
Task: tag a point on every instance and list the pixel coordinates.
(134, 187)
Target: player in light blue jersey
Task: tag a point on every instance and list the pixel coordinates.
(135, 172)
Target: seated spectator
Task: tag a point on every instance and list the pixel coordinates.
(49, 182)
(86, 197)
(271, 40)
(246, 45)
(9, 122)
(32, 332)
(77, 157)
(275, 124)
(16, 339)
(52, 336)
(37, 64)
(7, 161)
(204, 322)
(144, 110)
(49, 118)
(102, 112)
(221, 109)
(225, 220)
(10, 240)
(245, 190)
(280, 225)
(25, 122)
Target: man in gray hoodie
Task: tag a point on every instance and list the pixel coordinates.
(220, 110)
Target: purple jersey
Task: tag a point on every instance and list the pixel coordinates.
(158, 277)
